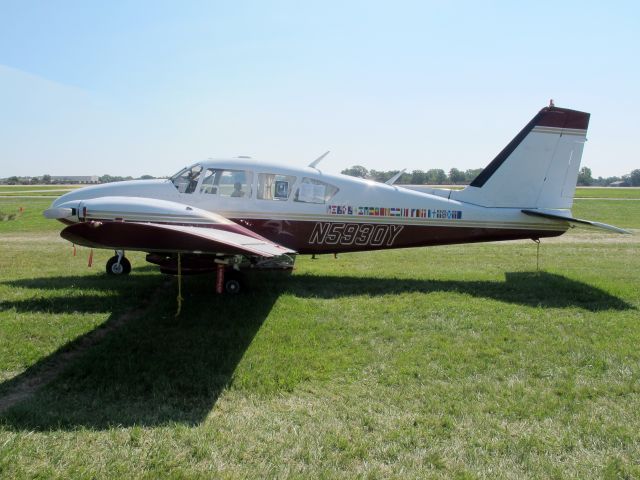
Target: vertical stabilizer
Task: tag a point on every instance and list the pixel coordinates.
(538, 168)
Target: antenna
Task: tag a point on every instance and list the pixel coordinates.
(319, 159)
(393, 179)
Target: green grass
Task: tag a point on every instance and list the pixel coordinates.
(608, 192)
(28, 216)
(456, 361)
(35, 190)
(625, 214)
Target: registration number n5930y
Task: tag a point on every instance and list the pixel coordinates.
(362, 234)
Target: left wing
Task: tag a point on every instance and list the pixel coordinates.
(158, 237)
(152, 225)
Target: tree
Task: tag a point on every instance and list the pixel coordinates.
(471, 174)
(436, 176)
(380, 175)
(46, 179)
(610, 180)
(456, 176)
(13, 180)
(584, 177)
(356, 171)
(418, 177)
(634, 177)
(110, 178)
(405, 179)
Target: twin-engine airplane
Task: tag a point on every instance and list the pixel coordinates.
(227, 215)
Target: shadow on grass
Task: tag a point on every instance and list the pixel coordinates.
(524, 288)
(156, 369)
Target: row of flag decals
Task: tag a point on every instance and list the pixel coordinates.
(395, 212)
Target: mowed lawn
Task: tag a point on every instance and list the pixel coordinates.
(608, 192)
(458, 361)
(35, 190)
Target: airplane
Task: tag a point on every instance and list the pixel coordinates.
(231, 215)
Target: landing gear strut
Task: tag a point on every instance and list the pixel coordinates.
(118, 264)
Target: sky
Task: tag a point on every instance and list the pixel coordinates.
(146, 87)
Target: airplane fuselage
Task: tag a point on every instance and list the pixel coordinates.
(307, 210)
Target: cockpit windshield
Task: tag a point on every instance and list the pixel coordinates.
(186, 179)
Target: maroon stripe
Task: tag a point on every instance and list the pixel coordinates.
(306, 237)
(563, 118)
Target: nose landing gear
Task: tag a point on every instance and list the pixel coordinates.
(118, 264)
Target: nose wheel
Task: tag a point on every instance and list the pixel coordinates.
(118, 265)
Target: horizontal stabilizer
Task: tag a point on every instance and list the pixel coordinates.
(575, 221)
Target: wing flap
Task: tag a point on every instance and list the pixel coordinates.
(575, 221)
(156, 237)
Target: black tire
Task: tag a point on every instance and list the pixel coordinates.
(233, 282)
(113, 268)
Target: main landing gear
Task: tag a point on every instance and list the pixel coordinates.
(118, 264)
(229, 281)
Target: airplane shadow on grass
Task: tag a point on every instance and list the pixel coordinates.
(154, 369)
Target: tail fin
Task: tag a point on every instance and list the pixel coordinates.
(538, 168)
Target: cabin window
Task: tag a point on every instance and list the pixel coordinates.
(227, 183)
(186, 179)
(272, 186)
(208, 182)
(314, 191)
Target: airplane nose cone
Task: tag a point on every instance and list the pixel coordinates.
(64, 207)
(58, 213)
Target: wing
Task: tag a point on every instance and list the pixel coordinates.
(157, 237)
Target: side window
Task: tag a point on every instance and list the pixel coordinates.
(227, 183)
(272, 186)
(314, 191)
(186, 179)
(208, 184)
(234, 183)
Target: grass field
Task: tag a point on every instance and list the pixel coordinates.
(596, 192)
(35, 190)
(458, 361)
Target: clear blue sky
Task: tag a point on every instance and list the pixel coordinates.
(141, 87)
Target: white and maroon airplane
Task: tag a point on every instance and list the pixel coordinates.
(226, 214)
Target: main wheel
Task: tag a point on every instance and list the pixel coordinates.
(115, 268)
(233, 283)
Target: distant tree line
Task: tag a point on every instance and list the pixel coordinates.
(48, 180)
(631, 179)
(434, 176)
(437, 176)
(110, 178)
